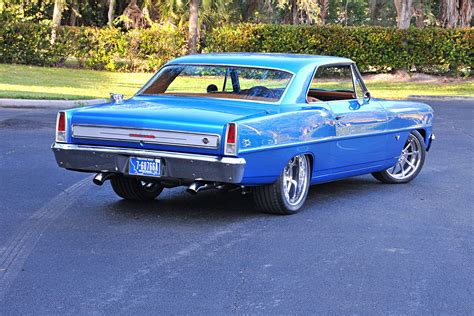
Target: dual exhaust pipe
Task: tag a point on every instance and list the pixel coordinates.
(101, 177)
(194, 188)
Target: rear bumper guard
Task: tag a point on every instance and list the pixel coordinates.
(432, 138)
(175, 165)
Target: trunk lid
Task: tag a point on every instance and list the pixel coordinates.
(170, 123)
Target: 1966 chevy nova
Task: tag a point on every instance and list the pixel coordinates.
(269, 124)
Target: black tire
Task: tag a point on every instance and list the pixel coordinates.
(135, 189)
(271, 198)
(386, 176)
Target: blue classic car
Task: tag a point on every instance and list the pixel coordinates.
(268, 124)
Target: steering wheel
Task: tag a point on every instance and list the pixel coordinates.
(261, 91)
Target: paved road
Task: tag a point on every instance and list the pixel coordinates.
(359, 246)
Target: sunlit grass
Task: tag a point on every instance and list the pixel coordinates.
(29, 82)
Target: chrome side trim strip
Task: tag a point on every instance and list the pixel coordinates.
(330, 138)
(150, 136)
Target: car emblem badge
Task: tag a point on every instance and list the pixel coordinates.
(205, 140)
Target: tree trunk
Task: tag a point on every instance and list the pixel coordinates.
(110, 13)
(74, 13)
(404, 13)
(323, 11)
(465, 13)
(57, 14)
(449, 13)
(346, 12)
(420, 14)
(193, 25)
(294, 12)
(373, 11)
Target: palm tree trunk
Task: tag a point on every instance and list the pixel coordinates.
(110, 13)
(193, 25)
(465, 13)
(420, 14)
(323, 13)
(57, 14)
(449, 13)
(74, 13)
(404, 13)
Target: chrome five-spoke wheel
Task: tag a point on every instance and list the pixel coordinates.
(295, 178)
(288, 193)
(409, 164)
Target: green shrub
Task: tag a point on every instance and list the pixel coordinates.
(375, 49)
(96, 48)
(27, 43)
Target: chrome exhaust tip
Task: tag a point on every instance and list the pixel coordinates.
(195, 187)
(101, 177)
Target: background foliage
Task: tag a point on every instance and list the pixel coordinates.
(375, 49)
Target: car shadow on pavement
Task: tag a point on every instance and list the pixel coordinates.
(176, 204)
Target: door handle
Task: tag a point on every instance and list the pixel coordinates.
(339, 117)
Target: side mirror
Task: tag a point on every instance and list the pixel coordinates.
(367, 96)
(116, 98)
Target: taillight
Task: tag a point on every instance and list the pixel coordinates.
(61, 127)
(231, 139)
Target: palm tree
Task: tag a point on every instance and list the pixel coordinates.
(110, 13)
(57, 14)
(193, 25)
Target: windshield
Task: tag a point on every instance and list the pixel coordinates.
(219, 82)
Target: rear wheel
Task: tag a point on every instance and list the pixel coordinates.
(135, 189)
(288, 194)
(409, 163)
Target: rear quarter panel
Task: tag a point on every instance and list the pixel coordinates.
(268, 143)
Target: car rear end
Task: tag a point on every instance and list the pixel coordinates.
(89, 143)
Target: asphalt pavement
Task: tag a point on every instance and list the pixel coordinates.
(358, 247)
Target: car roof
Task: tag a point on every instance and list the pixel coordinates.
(288, 62)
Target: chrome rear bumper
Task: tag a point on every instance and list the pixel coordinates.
(175, 165)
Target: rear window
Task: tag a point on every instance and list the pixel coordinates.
(219, 82)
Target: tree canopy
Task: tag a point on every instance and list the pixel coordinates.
(443, 13)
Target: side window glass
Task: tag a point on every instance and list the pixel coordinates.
(332, 83)
(334, 78)
(358, 88)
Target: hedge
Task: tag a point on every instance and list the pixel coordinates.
(375, 49)
(96, 48)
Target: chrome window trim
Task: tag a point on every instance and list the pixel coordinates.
(358, 75)
(278, 102)
(147, 141)
(331, 65)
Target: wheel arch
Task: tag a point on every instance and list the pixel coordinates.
(423, 133)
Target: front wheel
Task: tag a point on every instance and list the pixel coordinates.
(288, 194)
(135, 189)
(409, 163)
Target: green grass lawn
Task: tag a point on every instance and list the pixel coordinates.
(29, 82)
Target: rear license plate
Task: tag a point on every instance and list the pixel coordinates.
(150, 167)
